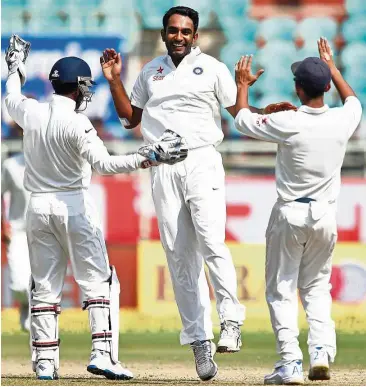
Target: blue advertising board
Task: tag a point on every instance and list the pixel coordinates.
(45, 51)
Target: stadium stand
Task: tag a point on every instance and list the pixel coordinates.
(277, 28)
(276, 32)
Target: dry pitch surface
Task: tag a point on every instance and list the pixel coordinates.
(158, 359)
(163, 374)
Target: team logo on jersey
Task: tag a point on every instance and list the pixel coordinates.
(55, 74)
(198, 70)
(159, 77)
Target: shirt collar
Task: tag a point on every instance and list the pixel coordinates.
(188, 59)
(311, 110)
(66, 101)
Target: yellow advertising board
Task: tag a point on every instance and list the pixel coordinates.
(156, 298)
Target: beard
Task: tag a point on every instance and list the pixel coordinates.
(178, 54)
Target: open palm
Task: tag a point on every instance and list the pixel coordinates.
(111, 63)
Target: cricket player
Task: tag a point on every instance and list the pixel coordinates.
(302, 229)
(60, 147)
(12, 176)
(183, 90)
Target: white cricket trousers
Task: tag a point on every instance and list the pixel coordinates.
(64, 225)
(190, 205)
(19, 267)
(300, 240)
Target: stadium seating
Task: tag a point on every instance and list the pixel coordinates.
(232, 52)
(232, 8)
(311, 28)
(275, 78)
(203, 7)
(242, 28)
(113, 17)
(355, 7)
(152, 12)
(279, 53)
(354, 29)
(277, 28)
(353, 57)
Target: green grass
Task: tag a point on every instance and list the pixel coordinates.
(163, 347)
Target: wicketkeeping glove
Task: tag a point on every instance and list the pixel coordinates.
(279, 107)
(16, 55)
(170, 149)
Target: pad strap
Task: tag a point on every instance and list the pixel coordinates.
(45, 344)
(96, 303)
(102, 336)
(49, 309)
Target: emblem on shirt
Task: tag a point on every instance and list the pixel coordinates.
(198, 70)
(262, 121)
(159, 77)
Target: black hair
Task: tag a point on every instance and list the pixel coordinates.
(310, 91)
(62, 88)
(184, 11)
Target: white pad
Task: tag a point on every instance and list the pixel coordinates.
(45, 343)
(104, 318)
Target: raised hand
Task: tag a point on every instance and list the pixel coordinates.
(111, 63)
(243, 71)
(325, 52)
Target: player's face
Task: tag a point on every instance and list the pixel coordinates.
(179, 36)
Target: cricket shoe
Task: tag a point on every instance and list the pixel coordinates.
(45, 370)
(230, 337)
(203, 355)
(101, 364)
(319, 364)
(289, 374)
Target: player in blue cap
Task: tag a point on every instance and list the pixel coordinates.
(302, 229)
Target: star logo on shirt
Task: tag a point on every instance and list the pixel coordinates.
(160, 70)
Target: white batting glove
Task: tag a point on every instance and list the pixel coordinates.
(16, 55)
(170, 149)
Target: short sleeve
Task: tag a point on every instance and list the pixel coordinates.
(139, 95)
(352, 107)
(225, 87)
(275, 127)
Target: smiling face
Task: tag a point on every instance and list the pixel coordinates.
(179, 36)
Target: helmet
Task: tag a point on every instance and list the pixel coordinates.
(73, 70)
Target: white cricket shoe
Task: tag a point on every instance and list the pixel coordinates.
(101, 364)
(45, 370)
(230, 337)
(319, 364)
(290, 374)
(203, 355)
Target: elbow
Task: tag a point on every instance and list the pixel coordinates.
(101, 168)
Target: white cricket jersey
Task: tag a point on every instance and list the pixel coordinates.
(60, 145)
(311, 146)
(12, 176)
(185, 99)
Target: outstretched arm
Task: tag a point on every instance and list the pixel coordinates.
(111, 63)
(326, 54)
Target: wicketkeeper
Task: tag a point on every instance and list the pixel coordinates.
(60, 147)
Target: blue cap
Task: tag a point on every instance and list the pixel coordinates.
(68, 69)
(312, 72)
